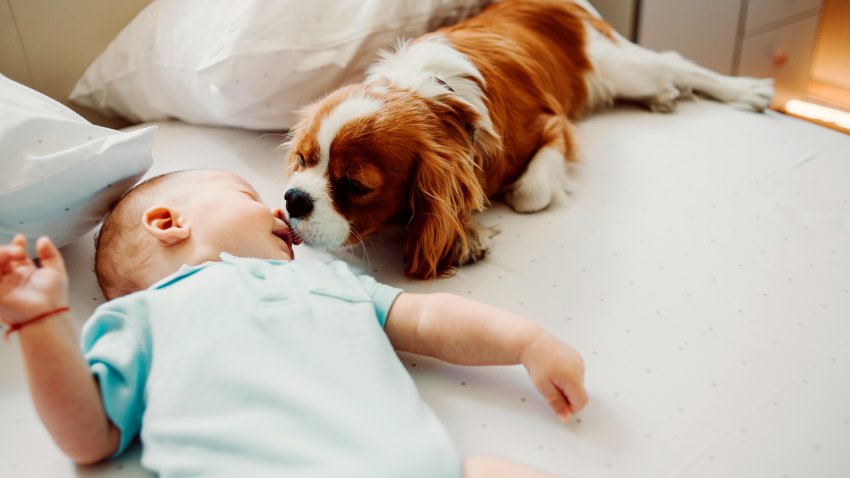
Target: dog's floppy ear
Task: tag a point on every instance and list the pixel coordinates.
(444, 193)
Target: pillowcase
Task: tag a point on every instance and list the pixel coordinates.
(58, 172)
(248, 63)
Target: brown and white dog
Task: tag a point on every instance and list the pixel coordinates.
(471, 111)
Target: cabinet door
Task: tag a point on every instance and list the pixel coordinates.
(763, 12)
(783, 53)
(702, 31)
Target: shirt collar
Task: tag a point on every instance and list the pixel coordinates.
(186, 270)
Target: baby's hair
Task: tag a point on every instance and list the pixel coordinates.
(119, 246)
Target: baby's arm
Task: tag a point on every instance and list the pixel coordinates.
(64, 391)
(462, 331)
(490, 467)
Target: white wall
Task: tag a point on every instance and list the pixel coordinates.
(47, 44)
(619, 13)
(702, 30)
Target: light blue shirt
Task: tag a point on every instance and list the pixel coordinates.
(259, 368)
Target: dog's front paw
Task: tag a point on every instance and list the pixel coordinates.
(750, 94)
(544, 182)
(665, 100)
(479, 240)
(522, 197)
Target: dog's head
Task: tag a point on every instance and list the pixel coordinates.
(372, 155)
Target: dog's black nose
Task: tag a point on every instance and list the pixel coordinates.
(298, 203)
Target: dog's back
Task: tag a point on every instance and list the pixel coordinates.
(530, 45)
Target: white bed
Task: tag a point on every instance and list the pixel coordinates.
(703, 270)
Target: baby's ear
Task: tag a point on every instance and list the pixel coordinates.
(165, 224)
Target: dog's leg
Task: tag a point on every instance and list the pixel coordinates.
(479, 239)
(546, 180)
(625, 70)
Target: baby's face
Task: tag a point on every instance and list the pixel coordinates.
(226, 214)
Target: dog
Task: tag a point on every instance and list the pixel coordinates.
(480, 109)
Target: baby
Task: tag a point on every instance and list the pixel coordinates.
(230, 359)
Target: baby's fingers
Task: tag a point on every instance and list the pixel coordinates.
(5, 262)
(575, 393)
(49, 254)
(565, 396)
(9, 278)
(9, 257)
(19, 252)
(558, 402)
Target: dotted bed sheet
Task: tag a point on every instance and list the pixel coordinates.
(702, 268)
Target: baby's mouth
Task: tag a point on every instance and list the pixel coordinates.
(289, 237)
(294, 237)
(284, 231)
(286, 237)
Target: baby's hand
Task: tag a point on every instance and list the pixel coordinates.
(557, 371)
(27, 291)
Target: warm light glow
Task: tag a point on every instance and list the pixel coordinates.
(818, 112)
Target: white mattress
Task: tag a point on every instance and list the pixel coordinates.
(703, 270)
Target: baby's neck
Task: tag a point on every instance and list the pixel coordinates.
(169, 259)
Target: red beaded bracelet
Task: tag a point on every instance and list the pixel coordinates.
(15, 327)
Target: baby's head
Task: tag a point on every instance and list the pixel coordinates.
(184, 217)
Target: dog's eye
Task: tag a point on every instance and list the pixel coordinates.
(357, 188)
(301, 161)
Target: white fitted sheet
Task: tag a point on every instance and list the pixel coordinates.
(702, 269)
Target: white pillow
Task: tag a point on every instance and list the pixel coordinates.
(248, 63)
(58, 172)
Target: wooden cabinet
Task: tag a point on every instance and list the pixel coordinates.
(764, 12)
(783, 53)
(829, 82)
(763, 38)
